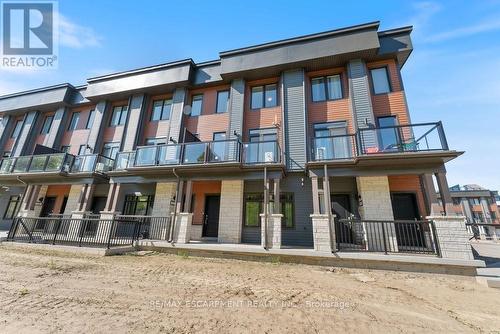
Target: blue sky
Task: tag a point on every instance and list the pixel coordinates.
(453, 74)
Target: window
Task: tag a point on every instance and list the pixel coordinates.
(119, 116)
(331, 141)
(73, 124)
(12, 207)
(156, 141)
(46, 125)
(17, 129)
(254, 207)
(161, 110)
(82, 149)
(259, 135)
(110, 150)
(264, 96)
(6, 154)
(65, 148)
(474, 201)
(196, 105)
(456, 200)
(138, 205)
(493, 215)
(222, 101)
(332, 90)
(90, 120)
(380, 80)
(389, 136)
(478, 217)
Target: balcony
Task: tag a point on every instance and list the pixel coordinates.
(401, 139)
(200, 153)
(56, 163)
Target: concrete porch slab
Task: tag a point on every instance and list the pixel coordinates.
(93, 251)
(416, 263)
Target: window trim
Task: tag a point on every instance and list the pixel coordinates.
(217, 101)
(80, 149)
(120, 118)
(110, 144)
(264, 96)
(282, 194)
(162, 110)
(13, 134)
(91, 116)
(71, 121)
(42, 132)
(325, 80)
(16, 207)
(67, 151)
(201, 106)
(372, 84)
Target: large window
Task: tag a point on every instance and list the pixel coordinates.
(17, 129)
(264, 96)
(380, 80)
(65, 148)
(254, 206)
(119, 116)
(82, 149)
(90, 120)
(326, 88)
(196, 105)
(156, 141)
(388, 136)
(222, 101)
(161, 110)
(331, 141)
(14, 202)
(47, 122)
(110, 150)
(73, 124)
(138, 205)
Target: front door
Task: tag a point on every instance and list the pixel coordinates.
(98, 204)
(341, 207)
(404, 207)
(211, 219)
(48, 206)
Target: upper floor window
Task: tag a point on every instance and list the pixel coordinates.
(456, 200)
(380, 80)
(161, 110)
(222, 101)
(73, 124)
(17, 129)
(326, 88)
(156, 141)
(475, 201)
(65, 148)
(6, 154)
(82, 149)
(119, 116)
(110, 150)
(196, 105)
(90, 120)
(264, 96)
(262, 135)
(46, 125)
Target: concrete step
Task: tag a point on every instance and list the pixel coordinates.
(490, 282)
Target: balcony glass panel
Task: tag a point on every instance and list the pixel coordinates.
(333, 147)
(223, 151)
(6, 165)
(261, 152)
(124, 160)
(146, 156)
(169, 154)
(38, 163)
(55, 163)
(194, 153)
(84, 164)
(22, 164)
(104, 164)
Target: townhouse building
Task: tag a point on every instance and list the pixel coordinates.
(264, 145)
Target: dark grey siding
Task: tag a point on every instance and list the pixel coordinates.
(136, 112)
(295, 121)
(361, 98)
(177, 112)
(236, 107)
(26, 134)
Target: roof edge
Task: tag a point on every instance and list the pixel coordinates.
(37, 90)
(395, 31)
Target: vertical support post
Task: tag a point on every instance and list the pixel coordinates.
(444, 191)
(189, 193)
(180, 195)
(266, 206)
(315, 194)
(277, 202)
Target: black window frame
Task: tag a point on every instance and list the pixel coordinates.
(201, 105)
(121, 121)
(162, 113)
(217, 101)
(325, 87)
(17, 203)
(264, 94)
(84, 147)
(372, 82)
(14, 135)
(43, 130)
(71, 121)
(111, 144)
(284, 196)
(131, 199)
(90, 120)
(65, 148)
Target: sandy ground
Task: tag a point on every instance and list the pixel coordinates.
(46, 292)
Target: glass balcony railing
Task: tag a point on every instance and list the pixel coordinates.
(333, 148)
(261, 152)
(92, 163)
(402, 138)
(59, 162)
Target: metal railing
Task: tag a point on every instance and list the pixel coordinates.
(402, 138)
(399, 236)
(59, 162)
(333, 148)
(90, 163)
(486, 231)
(262, 152)
(95, 232)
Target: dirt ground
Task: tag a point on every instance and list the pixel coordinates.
(47, 292)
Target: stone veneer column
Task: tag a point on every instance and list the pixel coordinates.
(74, 198)
(376, 205)
(182, 233)
(164, 194)
(231, 211)
(273, 230)
(453, 237)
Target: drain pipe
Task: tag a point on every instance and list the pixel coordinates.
(266, 204)
(328, 205)
(25, 189)
(174, 217)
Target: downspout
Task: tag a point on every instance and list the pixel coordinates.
(266, 204)
(174, 217)
(328, 205)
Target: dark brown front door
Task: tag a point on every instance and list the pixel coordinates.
(404, 207)
(211, 219)
(48, 206)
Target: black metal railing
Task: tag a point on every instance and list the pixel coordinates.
(399, 236)
(88, 231)
(487, 231)
(402, 138)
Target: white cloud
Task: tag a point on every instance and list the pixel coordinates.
(76, 36)
(477, 28)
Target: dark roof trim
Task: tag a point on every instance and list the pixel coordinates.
(371, 25)
(141, 70)
(37, 90)
(396, 31)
